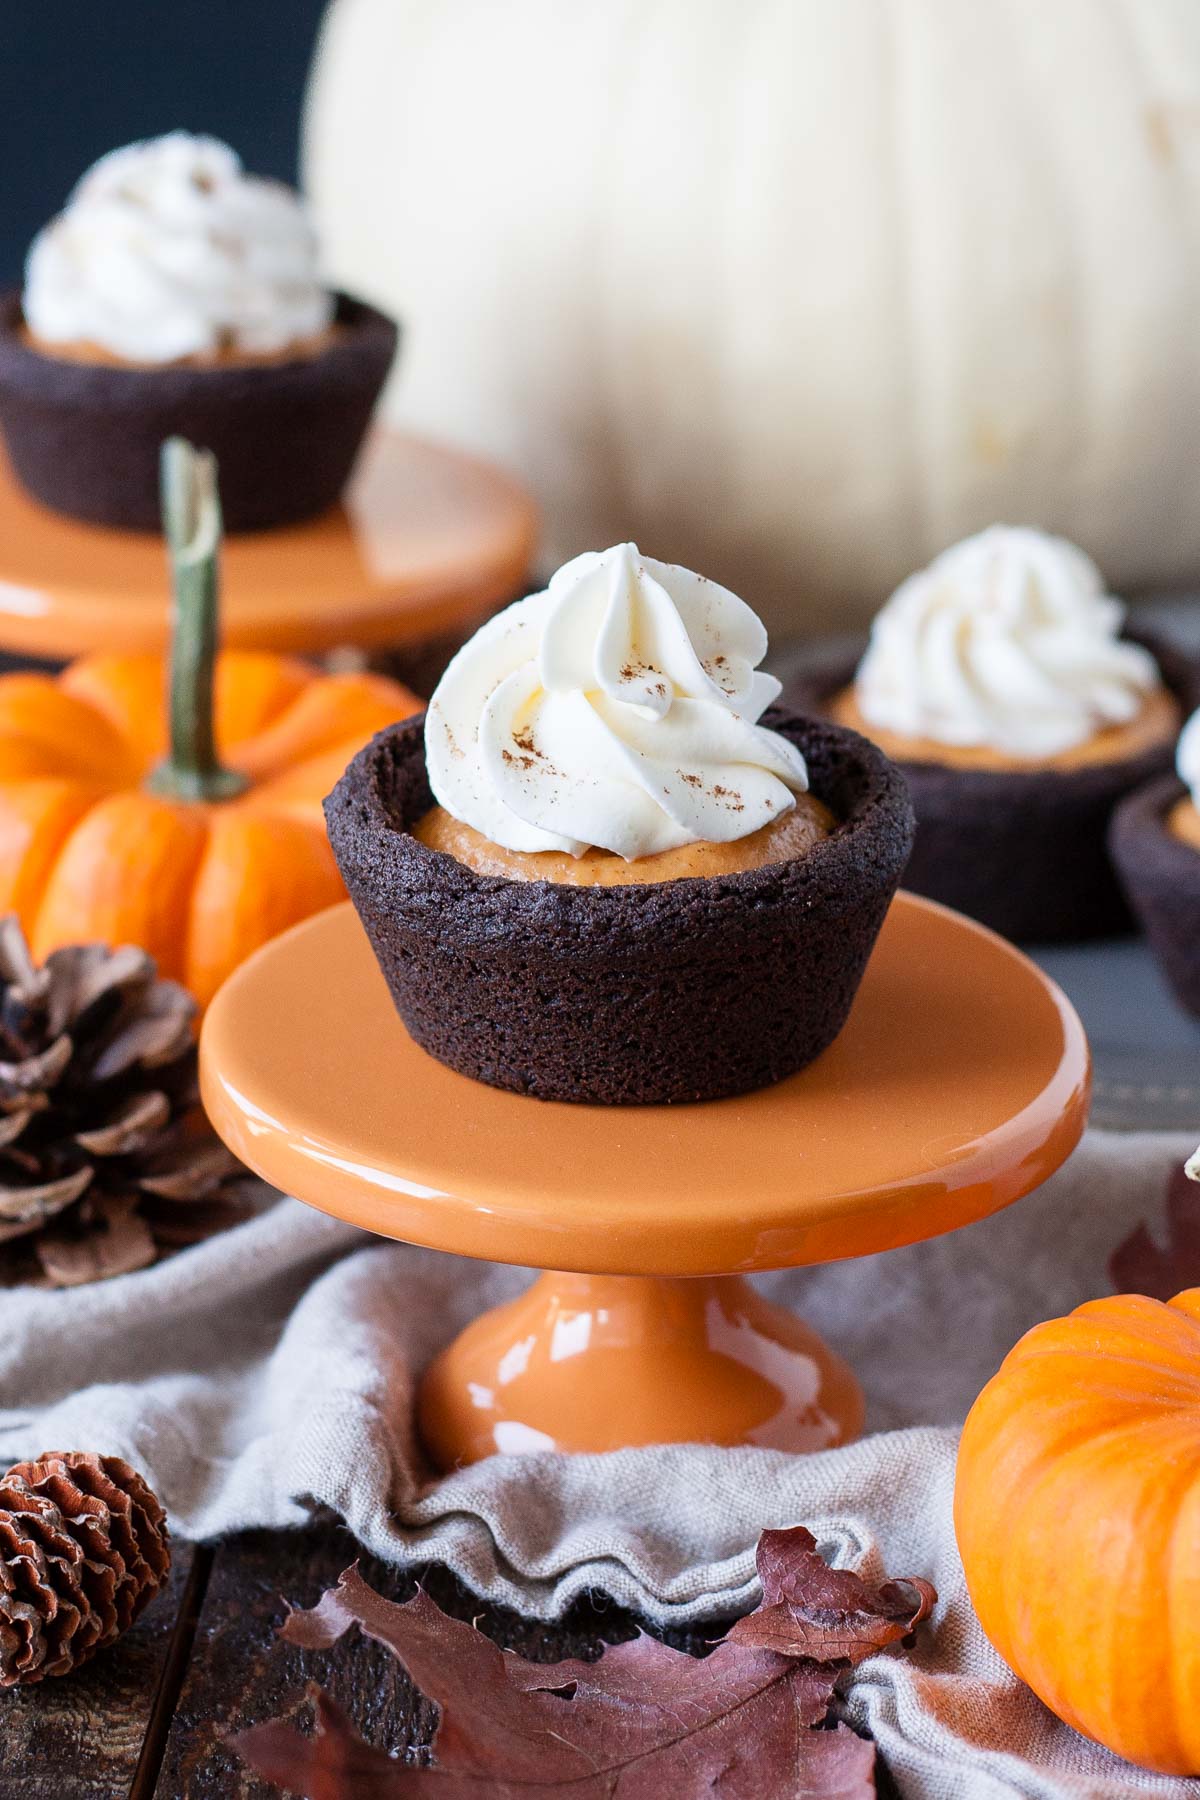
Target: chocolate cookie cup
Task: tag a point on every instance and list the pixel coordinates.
(1022, 851)
(672, 991)
(1161, 876)
(84, 437)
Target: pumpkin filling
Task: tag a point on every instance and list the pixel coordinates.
(1183, 822)
(227, 356)
(1155, 724)
(792, 835)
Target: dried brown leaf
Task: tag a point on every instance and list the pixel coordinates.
(335, 1764)
(809, 1609)
(642, 1722)
(1140, 1265)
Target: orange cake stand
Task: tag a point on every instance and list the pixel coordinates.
(427, 539)
(960, 1082)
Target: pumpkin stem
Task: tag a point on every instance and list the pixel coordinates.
(191, 512)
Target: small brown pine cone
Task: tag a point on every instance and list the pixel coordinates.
(83, 1548)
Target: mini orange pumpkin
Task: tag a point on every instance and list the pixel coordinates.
(1077, 1508)
(108, 831)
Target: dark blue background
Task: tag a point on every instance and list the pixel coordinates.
(79, 78)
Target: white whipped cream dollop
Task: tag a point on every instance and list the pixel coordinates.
(1007, 641)
(618, 710)
(167, 249)
(1187, 759)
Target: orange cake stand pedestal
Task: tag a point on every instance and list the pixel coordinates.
(960, 1082)
(426, 539)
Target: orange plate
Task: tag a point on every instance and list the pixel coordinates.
(427, 538)
(960, 1082)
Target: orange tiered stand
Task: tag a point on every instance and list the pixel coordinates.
(427, 539)
(960, 1082)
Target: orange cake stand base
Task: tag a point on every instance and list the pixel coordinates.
(426, 540)
(960, 1082)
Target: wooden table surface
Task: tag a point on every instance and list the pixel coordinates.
(149, 1717)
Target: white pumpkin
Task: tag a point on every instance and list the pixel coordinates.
(795, 292)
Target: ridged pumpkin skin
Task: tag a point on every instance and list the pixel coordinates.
(1077, 1508)
(86, 853)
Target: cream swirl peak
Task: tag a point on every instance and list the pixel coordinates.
(617, 710)
(1187, 760)
(1007, 640)
(166, 249)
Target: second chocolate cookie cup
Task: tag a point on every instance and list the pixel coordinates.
(1162, 878)
(1022, 851)
(84, 438)
(672, 991)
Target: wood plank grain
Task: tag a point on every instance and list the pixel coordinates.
(240, 1674)
(80, 1737)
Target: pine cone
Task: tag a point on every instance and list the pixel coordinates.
(83, 1548)
(106, 1158)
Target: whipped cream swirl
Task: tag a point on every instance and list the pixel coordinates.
(1187, 760)
(618, 710)
(1006, 641)
(166, 250)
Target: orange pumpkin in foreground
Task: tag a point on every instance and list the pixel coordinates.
(197, 838)
(1077, 1508)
